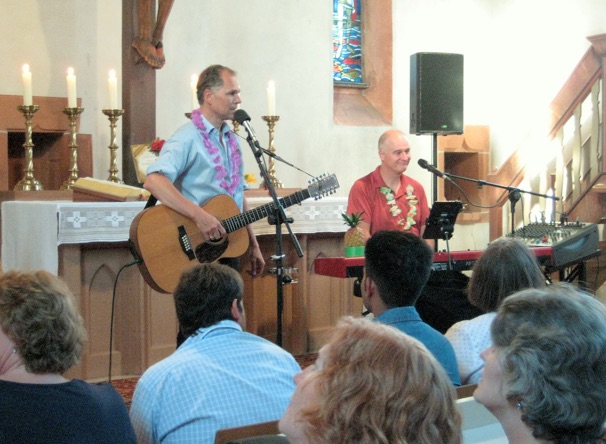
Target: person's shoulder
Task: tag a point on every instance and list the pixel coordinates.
(257, 341)
(480, 321)
(367, 179)
(437, 336)
(187, 127)
(95, 389)
(161, 370)
(470, 331)
(458, 327)
(426, 333)
(182, 135)
(264, 349)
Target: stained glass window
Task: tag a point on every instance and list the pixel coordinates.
(347, 41)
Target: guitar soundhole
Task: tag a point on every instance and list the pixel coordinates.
(211, 251)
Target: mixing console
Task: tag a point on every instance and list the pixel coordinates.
(570, 242)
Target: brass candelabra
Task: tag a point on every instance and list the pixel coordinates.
(28, 182)
(72, 114)
(271, 123)
(113, 116)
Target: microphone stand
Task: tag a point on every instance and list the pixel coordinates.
(277, 219)
(514, 193)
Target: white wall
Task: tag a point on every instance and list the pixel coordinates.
(51, 36)
(506, 43)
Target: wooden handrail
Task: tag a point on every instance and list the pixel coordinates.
(584, 204)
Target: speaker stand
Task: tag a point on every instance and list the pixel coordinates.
(434, 189)
(434, 162)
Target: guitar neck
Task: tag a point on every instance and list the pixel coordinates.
(234, 223)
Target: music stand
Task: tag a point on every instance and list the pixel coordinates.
(441, 220)
(440, 223)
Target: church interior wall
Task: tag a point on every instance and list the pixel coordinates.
(517, 56)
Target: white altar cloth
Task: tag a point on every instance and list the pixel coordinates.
(32, 231)
(312, 216)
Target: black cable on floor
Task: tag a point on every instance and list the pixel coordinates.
(111, 323)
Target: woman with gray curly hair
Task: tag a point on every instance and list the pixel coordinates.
(41, 337)
(372, 384)
(545, 375)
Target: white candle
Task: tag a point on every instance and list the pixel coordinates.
(194, 94)
(72, 101)
(113, 90)
(271, 98)
(26, 76)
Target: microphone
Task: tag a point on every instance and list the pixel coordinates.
(243, 119)
(429, 167)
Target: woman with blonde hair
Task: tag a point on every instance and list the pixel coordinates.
(41, 337)
(371, 384)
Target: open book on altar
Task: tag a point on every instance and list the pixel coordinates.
(88, 189)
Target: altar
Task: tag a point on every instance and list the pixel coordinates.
(86, 243)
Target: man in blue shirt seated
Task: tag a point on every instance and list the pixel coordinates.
(221, 376)
(397, 267)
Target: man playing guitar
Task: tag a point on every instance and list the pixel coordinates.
(202, 159)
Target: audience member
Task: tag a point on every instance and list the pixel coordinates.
(506, 266)
(545, 375)
(372, 384)
(396, 269)
(221, 376)
(41, 337)
(389, 199)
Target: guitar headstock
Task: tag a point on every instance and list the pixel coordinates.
(322, 186)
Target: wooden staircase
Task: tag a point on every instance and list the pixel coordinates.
(574, 162)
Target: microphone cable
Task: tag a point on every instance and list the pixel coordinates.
(111, 322)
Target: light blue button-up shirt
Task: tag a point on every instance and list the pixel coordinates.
(186, 162)
(222, 377)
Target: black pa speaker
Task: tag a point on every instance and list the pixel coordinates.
(436, 93)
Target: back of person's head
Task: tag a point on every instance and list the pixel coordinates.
(379, 385)
(553, 356)
(205, 295)
(506, 266)
(211, 78)
(37, 313)
(400, 264)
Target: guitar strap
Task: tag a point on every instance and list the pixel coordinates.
(151, 201)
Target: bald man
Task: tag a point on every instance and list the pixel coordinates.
(390, 199)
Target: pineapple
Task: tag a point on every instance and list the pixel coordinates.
(354, 236)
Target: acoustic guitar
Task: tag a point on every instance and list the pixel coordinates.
(165, 243)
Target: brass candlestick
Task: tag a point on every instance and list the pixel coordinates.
(28, 183)
(271, 123)
(72, 114)
(113, 115)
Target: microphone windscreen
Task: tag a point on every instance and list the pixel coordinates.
(422, 163)
(241, 116)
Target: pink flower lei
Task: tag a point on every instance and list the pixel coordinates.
(212, 149)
